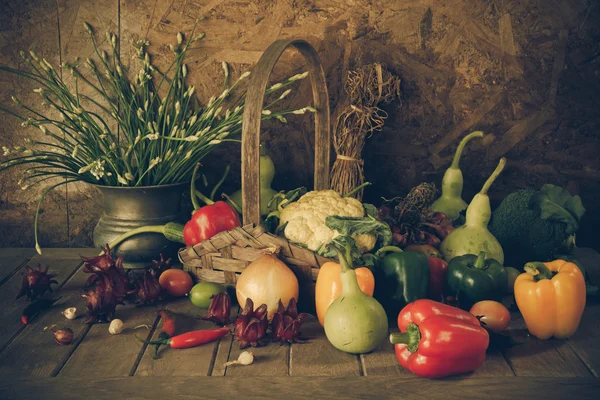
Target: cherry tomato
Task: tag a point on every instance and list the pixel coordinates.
(176, 282)
(493, 314)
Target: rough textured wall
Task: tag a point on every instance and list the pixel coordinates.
(525, 72)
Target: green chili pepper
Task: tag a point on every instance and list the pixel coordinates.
(472, 278)
(400, 278)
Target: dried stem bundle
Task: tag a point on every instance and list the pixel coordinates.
(366, 87)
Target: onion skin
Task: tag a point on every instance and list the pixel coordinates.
(267, 280)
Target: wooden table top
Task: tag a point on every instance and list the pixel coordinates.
(101, 365)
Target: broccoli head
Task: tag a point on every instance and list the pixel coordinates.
(527, 231)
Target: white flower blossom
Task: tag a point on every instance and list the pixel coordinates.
(184, 70)
(140, 114)
(284, 94)
(154, 163)
(121, 180)
(6, 151)
(179, 38)
(276, 86)
(297, 77)
(244, 75)
(214, 142)
(128, 176)
(169, 154)
(266, 112)
(191, 138)
(225, 69)
(299, 111)
(97, 169)
(177, 108)
(224, 94)
(192, 120)
(188, 154)
(281, 118)
(152, 136)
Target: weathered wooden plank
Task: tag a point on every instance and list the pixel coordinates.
(12, 308)
(382, 361)
(11, 261)
(224, 347)
(197, 361)
(540, 357)
(34, 352)
(380, 387)
(585, 341)
(318, 357)
(102, 354)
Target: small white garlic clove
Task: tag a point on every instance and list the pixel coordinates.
(245, 358)
(115, 327)
(70, 313)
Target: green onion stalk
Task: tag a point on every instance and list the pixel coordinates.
(114, 126)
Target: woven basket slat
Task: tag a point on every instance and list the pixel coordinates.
(228, 264)
(304, 254)
(246, 253)
(274, 241)
(208, 275)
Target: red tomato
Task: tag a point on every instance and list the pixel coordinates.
(493, 314)
(176, 282)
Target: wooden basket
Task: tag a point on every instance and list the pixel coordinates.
(223, 257)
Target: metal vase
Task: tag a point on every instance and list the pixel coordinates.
(126, 208)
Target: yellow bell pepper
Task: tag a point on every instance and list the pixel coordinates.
(551, 298)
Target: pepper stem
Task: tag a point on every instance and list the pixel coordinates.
(539, 270)
(232, 203)
(493, 177)
(172, 231)
(221, 181)
(356, 189)
(410, 338)
(388, 249)
(480, 262)
(461, 147)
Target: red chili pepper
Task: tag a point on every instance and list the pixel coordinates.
(438, 340)
(437, 278)
(190, 339)
(207, 221)
(167, 329)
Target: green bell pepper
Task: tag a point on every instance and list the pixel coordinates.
(472, 278)
(400, 278)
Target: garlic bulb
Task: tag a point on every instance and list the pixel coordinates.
(70, 313)
(115, 327)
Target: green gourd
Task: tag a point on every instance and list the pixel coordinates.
(474, 237)
(355, 322)
(267, 173)
(451, 202)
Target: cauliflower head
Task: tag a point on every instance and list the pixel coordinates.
(305, 219)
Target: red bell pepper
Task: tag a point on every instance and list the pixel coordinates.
(207, 221)
(438, 340)
(437, 278)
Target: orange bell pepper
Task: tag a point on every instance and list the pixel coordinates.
(551, 298)
(329, 286)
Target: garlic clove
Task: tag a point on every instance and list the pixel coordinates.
(115, 327)
(245, 358)
(70, 313)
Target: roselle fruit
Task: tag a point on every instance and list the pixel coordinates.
(219, 309)
(251, 325)
(106, 287)
(36, 282)
(160, 266)
(286, 323)
(147, 289)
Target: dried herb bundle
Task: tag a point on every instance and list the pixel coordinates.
(366, 88)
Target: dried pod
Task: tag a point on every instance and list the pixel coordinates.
(115, 327)
(251, 325)
(219, 309)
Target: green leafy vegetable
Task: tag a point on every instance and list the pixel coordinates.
(340, 242)
(361, 225)
(370, 210)
(556, 204)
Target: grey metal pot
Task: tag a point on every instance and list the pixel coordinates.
(126, 208)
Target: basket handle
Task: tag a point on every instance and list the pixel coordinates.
(252, 117)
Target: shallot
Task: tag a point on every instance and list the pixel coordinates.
(115, 327)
